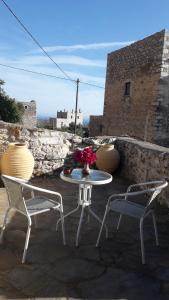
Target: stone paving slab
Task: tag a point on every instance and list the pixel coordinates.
(111, 271)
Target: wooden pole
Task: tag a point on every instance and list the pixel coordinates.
(77, 94)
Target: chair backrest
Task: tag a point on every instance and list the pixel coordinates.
(14, 191)
(153, 189)
(156, 190)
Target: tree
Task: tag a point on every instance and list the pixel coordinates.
(10, 110)
(79, 128)
(2, 82)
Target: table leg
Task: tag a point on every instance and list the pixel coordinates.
(85, 191)
(68, 214)
(84, 201)
(98, 219)
(79, 226)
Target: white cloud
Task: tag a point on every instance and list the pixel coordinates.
(33, 60)
(94, 46)
(44, 66)
(81, 61)
(50, 94)
(88, 78)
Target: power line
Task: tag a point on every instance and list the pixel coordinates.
(35, 40)
(45, 52)
(38, 73)
(49, 75)
(91, 84)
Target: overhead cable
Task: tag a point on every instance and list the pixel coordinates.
(45, 52)
(38, 73)
(49, 75)
(34, 39)
(91, 84)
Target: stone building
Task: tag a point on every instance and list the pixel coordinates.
(29, 118)
(96, 125)
(137, 91)
(64, 118)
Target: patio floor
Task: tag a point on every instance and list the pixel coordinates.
(111, 271)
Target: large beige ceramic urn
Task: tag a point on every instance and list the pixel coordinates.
(108, 158)
(17, 161)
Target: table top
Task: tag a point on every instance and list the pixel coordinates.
(96, 177)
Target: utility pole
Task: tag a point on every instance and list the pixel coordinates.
(77, 92)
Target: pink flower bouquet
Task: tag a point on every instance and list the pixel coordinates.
(85, 156)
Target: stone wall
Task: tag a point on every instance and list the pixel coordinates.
(48, 147)
(139, 161)
(143, 161)
(162, 102)
(29, 118)
(139, 64)
(143, 112)
(95, 125)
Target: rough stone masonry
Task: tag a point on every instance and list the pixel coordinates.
(137, 91)
(49, 147)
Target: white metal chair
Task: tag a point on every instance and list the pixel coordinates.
(36, 204)
(120, 203)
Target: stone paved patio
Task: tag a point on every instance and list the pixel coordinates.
(112, 271)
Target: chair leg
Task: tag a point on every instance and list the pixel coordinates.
(26, 241)
(142, 241)
(4, 225)
(63, 227)
(35, 221)
(101, 228)
(155, 229)
(119, 221)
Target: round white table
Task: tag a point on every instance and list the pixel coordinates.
(85, 183)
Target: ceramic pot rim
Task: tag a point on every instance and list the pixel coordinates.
(17, 144)
(108, 145)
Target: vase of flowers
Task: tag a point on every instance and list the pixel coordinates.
(86, 157)
(86, 169)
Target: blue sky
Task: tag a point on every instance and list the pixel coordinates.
(78, 35)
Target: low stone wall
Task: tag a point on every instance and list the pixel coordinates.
(142, 161)
(48, 147)
(139, 161)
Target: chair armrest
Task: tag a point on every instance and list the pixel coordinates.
(22, 180)
(16, 179)
(155, 182)
(160, 184)
(125, 195)
(35, 188)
